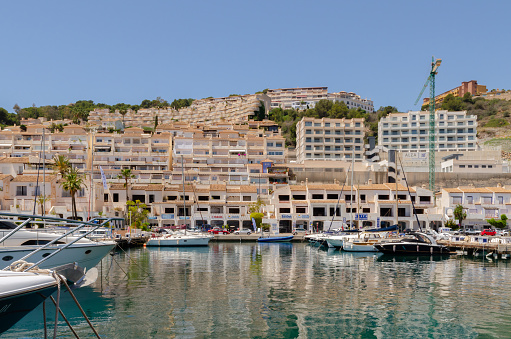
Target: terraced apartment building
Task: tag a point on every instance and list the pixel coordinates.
(302, 98)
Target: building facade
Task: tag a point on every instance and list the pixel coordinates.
(455, 131)
(302, 98)
(329, 139)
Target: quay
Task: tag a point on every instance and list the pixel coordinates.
(471, 247)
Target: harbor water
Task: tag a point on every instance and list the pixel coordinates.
(230, 290)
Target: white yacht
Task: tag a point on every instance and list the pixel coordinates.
(179, 240)
(86, 253)
(337, 241)
(363, 243)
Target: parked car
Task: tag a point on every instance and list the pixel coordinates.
(243, 231)
(300, 231)
(218, 230)
(488, 232)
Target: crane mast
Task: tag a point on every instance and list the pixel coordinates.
(431, 82)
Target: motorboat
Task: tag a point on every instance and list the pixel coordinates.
(20, 293)
(364, 243)
(19, 243)
(175, 239)
(413, 243)
(337, 241)
(275, 239)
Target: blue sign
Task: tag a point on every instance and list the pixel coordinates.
(151, 218)
(286, 216)
(360, 216)
(378, 222)
(184, 218)
(167, 216)
(302, 216)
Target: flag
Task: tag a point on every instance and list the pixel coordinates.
(103, 178)
(254, 225)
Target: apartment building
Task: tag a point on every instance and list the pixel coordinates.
(302, 98)
(455, 131)
(215, 204)
(480, 204)
(235, 155)
(329, 139)
(236, 108)
(325, 206)
(466, 87)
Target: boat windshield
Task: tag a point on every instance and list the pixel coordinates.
(7, 225)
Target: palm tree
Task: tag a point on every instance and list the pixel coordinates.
(127, 176)
(73, 182)
(61, 165)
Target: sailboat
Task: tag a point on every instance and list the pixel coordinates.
(414, 243)
(174, 239)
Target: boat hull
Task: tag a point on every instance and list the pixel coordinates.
(86, 255)
(276, 239)
(20, 295)
(412, 249)
(178, 241)
(353, 247)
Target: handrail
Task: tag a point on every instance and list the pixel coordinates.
(7, 236)
(60, 248)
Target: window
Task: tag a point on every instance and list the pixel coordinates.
(332, 196)
(284, 210)
(301, 210)
(308, 123)
(234, 210)
(21, 190)
(308, 131)
(115, 197)
(283, 197)
(105, 197)
(299, 197)
(317, 196)
(308, 139)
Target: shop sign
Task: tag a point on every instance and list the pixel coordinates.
(167, 216)
(286, 216)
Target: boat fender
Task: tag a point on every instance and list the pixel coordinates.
(431, 250)
(394, 248)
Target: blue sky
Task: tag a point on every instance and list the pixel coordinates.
(57, 52)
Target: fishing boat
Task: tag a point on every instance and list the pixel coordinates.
(275, 239)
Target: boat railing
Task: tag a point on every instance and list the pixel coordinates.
(93, 226)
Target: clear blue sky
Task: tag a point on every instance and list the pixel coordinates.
(58, 52)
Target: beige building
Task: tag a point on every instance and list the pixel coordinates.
(329, 139)
(302, 98)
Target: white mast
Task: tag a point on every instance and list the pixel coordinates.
(351, 184)
(44, 177)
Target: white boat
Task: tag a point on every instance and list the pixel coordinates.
(86, 253)
(20, 293)
(337, 241)
(180, 240)
(364, 243)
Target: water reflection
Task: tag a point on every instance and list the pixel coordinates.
(289, 291)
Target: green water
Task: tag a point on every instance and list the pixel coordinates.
(286, 291)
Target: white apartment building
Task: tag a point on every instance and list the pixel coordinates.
(302, 98)
(455, 131)
(329, 139)
(480, 204)
(324, 206)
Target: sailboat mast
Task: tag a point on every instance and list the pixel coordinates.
(44, 177)
(351, 184)
(184, 196)
(396, 190)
